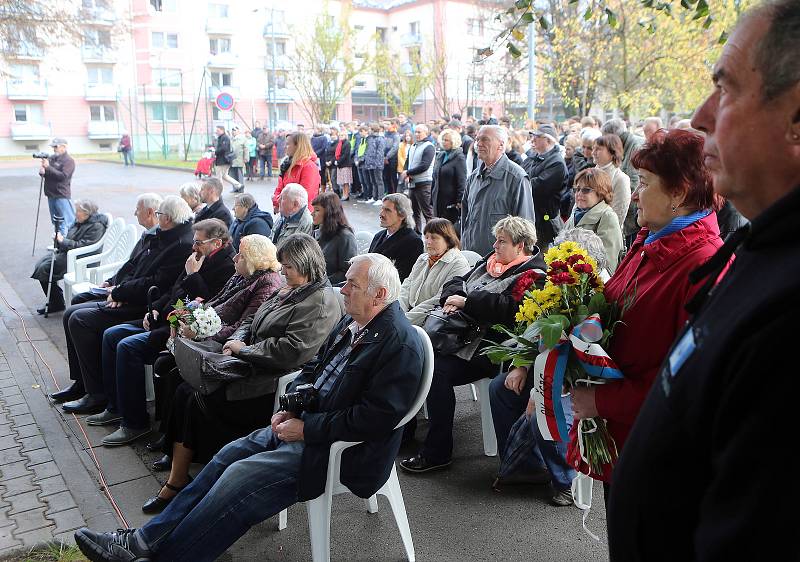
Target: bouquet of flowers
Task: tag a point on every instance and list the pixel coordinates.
(561, 332)
(202, 320)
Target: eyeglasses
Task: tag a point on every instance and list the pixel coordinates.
(159, 214)
(201, 242)
(584, 190)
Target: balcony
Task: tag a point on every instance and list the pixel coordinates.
(30, 131)
(277, 28)
(282, 95)
(98, 16)
(410, 40)
(220, 26)
(282, 62)
(213, 91)
(101, 92)
(99, 130)
(19, 89)
(27, 52)
(223, 60)
(98, 53)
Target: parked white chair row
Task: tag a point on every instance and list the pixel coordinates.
(363, 240)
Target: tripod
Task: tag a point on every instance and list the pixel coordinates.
(38, 208)
(57, 220)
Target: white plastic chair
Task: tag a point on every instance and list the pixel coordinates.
(109, 261)
(78, 259)
(363, 240)
(481, 388)
(319, 509)
(471, 257)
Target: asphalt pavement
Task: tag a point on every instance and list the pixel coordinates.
(454, 514)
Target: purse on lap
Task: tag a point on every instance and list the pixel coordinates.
(203, 365)
(450, 333)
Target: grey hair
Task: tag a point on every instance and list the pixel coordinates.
(87, 206)
(213, 228)
(190, 190)
(519, 230)
(303, 253)
(402, 204)
(150, 201)
(588, 240)
(295, 192)
(776, 53)
(423, 127)
(655, 121)
(381, 273)
(500, 133)
(176, 209)
(615, 126)
(213, 183)
(245, 200)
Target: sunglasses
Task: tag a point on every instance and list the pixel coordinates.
(583, 190)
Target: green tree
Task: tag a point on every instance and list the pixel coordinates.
(402, 82)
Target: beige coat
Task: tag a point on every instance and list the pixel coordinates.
(422, 289)
(621, 186)
(602, 220)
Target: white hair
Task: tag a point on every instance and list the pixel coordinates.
(500, 133)
(655, 121)
(190, 190)
(615, 126)
(590, 135)
(295, 192)
(150, 201)
(176, 209)
(381, 273)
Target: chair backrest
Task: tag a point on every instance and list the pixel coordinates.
(124, 244)
(363, 240)
(471, 257)
(113, 232)
(427, 377)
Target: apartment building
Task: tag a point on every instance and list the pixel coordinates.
(155, 68)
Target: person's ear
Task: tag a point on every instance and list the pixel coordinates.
(793, 131)
(380, 296)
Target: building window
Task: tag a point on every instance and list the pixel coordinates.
(474, 26)
(513, 86)
(221, 79)
(280, 79)
(358, 28)
(27, 73)
(413, 28)
(167, 77)
(163, 40)
(166, 111)
(90, 4)
(164, 5)
(360, 84)
(100, 74)
(477, 85)
(99, 112)
(95, 37)
(218, 10)
(218, 45)
(28, 113)
(280, 48)
(381, 35)
(282, 110)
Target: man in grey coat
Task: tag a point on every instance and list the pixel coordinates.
(630, 145)
(294, 213)
(495, 189)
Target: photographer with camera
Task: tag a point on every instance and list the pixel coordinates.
(57, 170)
(365, 377)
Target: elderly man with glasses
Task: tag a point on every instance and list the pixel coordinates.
(127, 348)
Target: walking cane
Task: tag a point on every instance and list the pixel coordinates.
(57, 220)
(38, 208)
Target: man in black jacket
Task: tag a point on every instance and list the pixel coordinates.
(700, 476)
(223, 158)
(367, 376)
(398, 241)
(128, 347)
(57, 173)
(211, 193)
(158, 262)
(546, 169)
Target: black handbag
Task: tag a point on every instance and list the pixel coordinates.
(450, 333)
(205, 368)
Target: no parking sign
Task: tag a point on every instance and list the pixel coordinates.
(224, 101)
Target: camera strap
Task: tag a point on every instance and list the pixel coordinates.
(342, 353)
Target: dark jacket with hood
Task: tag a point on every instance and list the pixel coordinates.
(216, 210)
(403, 248)
(85, 233)
(255, 222)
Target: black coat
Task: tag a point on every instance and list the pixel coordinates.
(338, 250)
(255, 222)
(449, 180)
(330, 152)
(222, 149)
(729, 220)
(157, 261)
(403, 248)
(345, 158)
(375, 391)
(58, 176)
(695, 478)
(216, 210)
(84, 233)
(546, 172)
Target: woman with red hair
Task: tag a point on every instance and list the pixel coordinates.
(679, 232)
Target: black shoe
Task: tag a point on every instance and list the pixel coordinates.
(87, 405)
(420, 464)
(119, 546)
(157, 504)
(157, 445)
(562, 498)
(521, 478)
(162, 464)
(74, 392)
(53, 308)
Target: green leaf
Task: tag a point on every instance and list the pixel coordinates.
(598, 304)
(587, 15)
(551, 328)
(516, 53)
(522, 4)
(582, 312)
(543, 23)
(723, 38)
(527, 17)
(612, 17)
(701, 11)
(708, 22)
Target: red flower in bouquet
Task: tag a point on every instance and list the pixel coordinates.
(524, 283)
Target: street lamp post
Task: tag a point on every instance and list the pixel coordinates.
(164, 141)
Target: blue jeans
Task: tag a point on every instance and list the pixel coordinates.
(249, 480)
(128, 156)
(61, 207)
(261, 161)
(125, 353)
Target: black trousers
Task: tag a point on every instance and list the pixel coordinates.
(390, 176)
(41, 272)
(420, 196)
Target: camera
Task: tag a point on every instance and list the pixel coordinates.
(304, 398)
(40, 155)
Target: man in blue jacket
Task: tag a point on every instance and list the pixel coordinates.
(366, 377)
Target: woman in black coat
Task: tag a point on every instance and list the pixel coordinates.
(88, 228)
(334, 235)
(449, 177)
(343, 160)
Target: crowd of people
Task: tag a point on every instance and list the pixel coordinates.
(655, 212)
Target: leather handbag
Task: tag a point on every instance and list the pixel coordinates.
(450, 332)
(203, 365)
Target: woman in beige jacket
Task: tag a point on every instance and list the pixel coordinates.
(608, 153)
(593, 211)
(441, 261)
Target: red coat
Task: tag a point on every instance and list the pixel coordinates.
(304, 173)
(659, 275)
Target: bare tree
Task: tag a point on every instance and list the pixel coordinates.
(400, 83)
(30, 27)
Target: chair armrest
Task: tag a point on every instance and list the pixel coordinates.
(75, 253)
(99, 274)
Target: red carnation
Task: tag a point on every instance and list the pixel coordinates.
(524, 282)
(574, 258)
(582, 268)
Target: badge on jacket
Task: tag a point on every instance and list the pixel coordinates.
(677, 357)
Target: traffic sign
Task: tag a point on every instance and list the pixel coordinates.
(224, 101)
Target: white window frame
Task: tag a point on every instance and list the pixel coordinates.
(105, 109)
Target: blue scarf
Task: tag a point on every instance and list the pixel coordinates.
(579, 214)
(676, 224)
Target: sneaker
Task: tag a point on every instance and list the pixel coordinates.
(106, 417)
(562, 498)
(378, 203)
(124, 435)
(122, 545)
(420, 464)
(370, 200)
